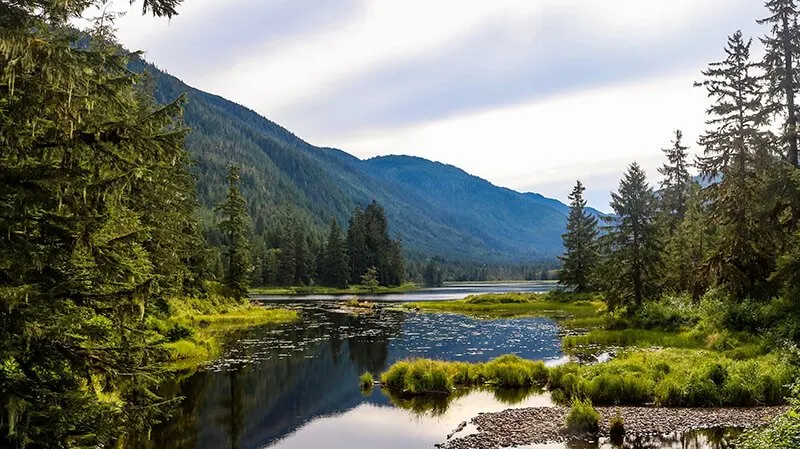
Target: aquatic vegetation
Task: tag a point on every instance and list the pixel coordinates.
(355, 303)
(634, 337)
(582, 418)
(616, 426)
(425, 376)
(674, 377)
(366, 381)
(511, 304)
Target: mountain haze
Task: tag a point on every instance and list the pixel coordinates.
(436, 209)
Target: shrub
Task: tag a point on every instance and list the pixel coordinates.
(179, 331)
(616, 427)
(582, 418)
(366, 381)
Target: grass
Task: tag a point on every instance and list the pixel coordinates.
(434, 377)
(355, 303)
(668, 377)
(190, 331)
(677, 377)
(582, 418)
(512, 304)
(320, 290)
(366, 381)
(616, 427)
(634, 338)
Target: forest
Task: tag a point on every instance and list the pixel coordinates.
(115, 253)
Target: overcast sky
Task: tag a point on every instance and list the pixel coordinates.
(529, 94)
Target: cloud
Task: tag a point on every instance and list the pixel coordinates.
(527, 94)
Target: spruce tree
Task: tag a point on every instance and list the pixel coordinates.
(334, 270)
(685, 249)
(235, 226)
(633, 259)
(781, 65)
(580, 254)
(80, 237)
(676, 183)
(735, 146)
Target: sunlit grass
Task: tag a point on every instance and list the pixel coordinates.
(511, 304)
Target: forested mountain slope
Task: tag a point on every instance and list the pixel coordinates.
(437, 209)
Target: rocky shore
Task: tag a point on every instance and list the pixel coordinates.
(516, 427)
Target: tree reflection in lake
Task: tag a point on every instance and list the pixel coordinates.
(296, 385)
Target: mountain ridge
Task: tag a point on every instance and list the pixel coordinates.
(437, 209)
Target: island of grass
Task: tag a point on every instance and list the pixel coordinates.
(189, 329)
(321, 290)
(554, 303)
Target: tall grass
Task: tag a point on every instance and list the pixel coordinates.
(425, 376)
(582, 418)
(511, 304)
(675, 377)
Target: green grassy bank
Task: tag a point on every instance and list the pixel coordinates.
(190, 329)
(320, 290)
(516, 304)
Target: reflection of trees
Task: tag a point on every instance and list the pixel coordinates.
(298, 375)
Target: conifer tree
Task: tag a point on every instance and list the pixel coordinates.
(736, 144)
(685, 249)
(82, 149)
(580, 254)
(235, 226)
(781, 66)
(676, 183)
(334, 270)
(632, 261)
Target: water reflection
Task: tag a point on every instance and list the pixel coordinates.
(448, 292)
(296, 385)
(278, 384)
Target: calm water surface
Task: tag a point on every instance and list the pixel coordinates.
(296, 385)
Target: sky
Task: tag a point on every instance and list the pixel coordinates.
(528, 94)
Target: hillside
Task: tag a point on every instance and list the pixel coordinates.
(436, 209)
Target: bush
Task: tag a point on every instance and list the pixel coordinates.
(179, 331)
(582, 418)
(366, 381)
(616, 427)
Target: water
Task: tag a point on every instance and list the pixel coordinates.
(296, 385)
(448, 292)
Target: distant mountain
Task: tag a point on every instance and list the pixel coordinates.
(437, 209)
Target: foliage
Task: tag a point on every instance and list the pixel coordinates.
(511, 304)
(616, 426)
(235, 226)
(370, 279)
(334, 270)
(580, 254)
(370, 248)
(582, 418)
(783, 433)
(366, 381)
(677, 377)
(632, 258)
(425, 376)
(432, 274)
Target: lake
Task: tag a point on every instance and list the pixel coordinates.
(296, 385)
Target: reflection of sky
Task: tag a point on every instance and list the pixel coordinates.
(372, 426)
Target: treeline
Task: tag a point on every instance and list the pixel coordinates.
(289, 253)
(736, 231)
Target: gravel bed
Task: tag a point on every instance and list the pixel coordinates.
(516, 427)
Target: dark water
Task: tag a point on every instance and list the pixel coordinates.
(448, 292)
(296, 385)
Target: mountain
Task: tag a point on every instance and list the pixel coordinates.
(437, 209)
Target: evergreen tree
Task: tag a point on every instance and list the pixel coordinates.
(736, 145)
(580, 254)
(781, 66)
(81, 255)
(235, 225)
(369, 245)
(357, 246)
(432, 274)
(676, 183)
(334, 270)
(685, 249)
(632, 263)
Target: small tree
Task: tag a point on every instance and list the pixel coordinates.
(370, 279)
(580, 256)
(235, 225)
(676, 183)
(631, 244)
(432, 274)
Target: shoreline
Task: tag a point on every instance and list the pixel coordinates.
(543, 425)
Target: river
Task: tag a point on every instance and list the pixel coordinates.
(296, 385)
